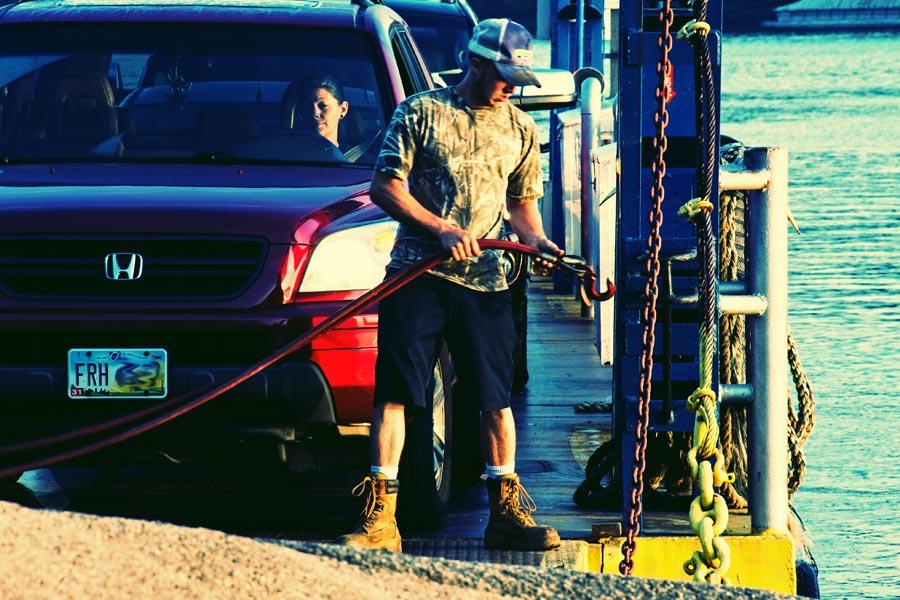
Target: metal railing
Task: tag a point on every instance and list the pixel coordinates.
(763, 298)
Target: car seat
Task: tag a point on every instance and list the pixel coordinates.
(80, 114)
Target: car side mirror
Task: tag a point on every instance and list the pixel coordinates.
(557, 90)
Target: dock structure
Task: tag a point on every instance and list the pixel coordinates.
(554, 442)
(832, 15)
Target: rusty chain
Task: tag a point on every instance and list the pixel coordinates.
(651, 289)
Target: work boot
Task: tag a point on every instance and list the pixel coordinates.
(377, 527)
(511, 526)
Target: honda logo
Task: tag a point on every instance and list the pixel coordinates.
(124, 265)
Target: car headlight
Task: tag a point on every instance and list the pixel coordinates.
(350, 259)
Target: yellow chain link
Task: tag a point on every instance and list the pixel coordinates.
(692, 208)
(691, 27)
(708, 514)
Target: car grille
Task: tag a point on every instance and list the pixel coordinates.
(174, 268)
(185, 347)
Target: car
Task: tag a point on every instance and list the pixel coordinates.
(173, 215)
(442, 30)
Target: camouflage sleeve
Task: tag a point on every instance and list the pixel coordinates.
(525, 182)
(399, 146)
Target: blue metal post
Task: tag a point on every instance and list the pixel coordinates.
(638, 56)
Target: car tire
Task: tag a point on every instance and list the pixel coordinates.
(427, 460)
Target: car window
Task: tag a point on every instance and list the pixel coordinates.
(187, 93)
(442, 41)
(408, 63)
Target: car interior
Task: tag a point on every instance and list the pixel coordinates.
(183, 106)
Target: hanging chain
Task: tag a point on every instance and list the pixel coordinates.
(708, 513)
(651, 289)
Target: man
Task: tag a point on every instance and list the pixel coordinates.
(467, 155)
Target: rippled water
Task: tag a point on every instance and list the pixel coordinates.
(834, 101)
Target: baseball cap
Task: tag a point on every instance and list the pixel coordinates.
(508, 45)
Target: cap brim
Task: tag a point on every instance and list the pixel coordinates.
(517, 74)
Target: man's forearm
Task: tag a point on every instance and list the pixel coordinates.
(526, 222)
(393, 198)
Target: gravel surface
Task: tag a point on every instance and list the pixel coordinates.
(62, 555)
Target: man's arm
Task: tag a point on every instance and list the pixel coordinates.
(391, 195)
(526, 222)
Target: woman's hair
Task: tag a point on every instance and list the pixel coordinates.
(329, 83)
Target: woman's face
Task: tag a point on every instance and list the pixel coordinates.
(327, 113)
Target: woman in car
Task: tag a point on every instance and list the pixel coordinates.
(328, 106)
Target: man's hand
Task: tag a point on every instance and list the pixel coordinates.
(459, 242)
(526, 222)
(539, 265)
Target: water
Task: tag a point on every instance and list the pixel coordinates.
(834, 101)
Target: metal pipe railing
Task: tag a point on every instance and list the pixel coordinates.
(744, 304)
(742, 180)
(591, 98)
(767, 358)
(579, 34)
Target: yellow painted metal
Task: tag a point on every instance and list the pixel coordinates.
(764, 561)
(692, 207)
(693, 27)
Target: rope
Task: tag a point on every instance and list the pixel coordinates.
(733, 360)
(800, 425)
(708, 514)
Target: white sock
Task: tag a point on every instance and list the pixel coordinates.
(389, 472)
(496, 471)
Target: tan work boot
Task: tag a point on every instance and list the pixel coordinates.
(511, 526)
(377, 527)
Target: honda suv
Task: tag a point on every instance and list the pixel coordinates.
(172, 214)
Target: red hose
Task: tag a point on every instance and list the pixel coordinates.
(183, 404)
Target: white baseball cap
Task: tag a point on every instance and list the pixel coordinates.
(508, 45)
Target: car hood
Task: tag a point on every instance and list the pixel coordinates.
(250, 200)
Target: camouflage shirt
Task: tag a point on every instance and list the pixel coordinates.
(461, 163)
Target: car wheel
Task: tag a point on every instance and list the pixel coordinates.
(426, 463)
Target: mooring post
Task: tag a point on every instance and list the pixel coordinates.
(767, 277)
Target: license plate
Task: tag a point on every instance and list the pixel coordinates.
(117, 373)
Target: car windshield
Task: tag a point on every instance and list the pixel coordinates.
(130, 92)
(442, 41)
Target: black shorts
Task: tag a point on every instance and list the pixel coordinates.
(414, 323)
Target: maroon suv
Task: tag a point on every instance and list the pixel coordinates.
(175, 208)
(171, 214)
